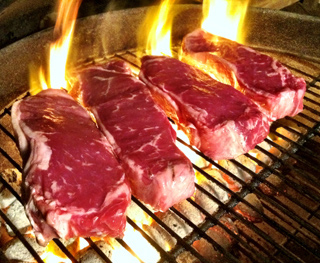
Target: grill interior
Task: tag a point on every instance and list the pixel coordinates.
(284, 219)
(286, 184)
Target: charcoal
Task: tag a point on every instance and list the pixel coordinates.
(14, 178)
(219, 235)
(248, 212)
(16, 214)
(187, 257)
(204, 200)
(89, 255)
(237, 171)
(14, 250)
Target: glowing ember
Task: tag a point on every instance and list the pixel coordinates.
(224, 17)
(157, 25)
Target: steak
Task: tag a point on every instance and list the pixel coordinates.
(219, 120)
(263, 79)
(140, 133)
(74, 186)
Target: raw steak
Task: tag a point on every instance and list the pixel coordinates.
(140, 133)
(74, 186)
(260, 77)
(219, 120)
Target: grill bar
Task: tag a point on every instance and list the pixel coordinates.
(229, 209)
(21, 238)
(98, 251)
(266, 205)
(65, 250)
(163, 253)
(169, 230)
(128, 248)
(254, 256)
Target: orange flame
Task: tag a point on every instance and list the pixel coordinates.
(157, 26)
(59, 49)
(224, 17)
(63, 31)
(53, 254)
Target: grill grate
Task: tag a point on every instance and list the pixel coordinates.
(285, 182)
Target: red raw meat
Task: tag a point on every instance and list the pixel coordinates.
(74, 186)
(260, 77)
(140, 133)
(219, 120)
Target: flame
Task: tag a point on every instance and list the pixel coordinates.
(190, 154)
(53, 254)
(64, 28)
(158, 24)
(140, 246)
(224, 17)
(59, 49)
(83, 243)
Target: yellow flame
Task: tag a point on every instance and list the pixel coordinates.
(59, 49)
(157, 26)
(140, 245)
(191, 155)
(224, 17)
(37, 80)
(53, 254)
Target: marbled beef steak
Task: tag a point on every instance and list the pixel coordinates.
(159, 173)
(261, 78)
(74, 186)
(219, 120)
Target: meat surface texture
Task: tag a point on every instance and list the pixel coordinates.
(263, 79)
(219, 120)
(160, 174)
(74, 186)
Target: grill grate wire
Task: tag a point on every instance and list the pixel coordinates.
(299, 177)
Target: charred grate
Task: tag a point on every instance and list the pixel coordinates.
(270, 214)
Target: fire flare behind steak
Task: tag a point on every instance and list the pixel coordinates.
(260, 77)
(74, 185)
(219, 120)
(140, 133)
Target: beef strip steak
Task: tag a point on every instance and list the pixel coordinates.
(139, 131)
(74, 186)
(219, 120)
(263, 79)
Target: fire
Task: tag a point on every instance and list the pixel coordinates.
(158, 25)
(224, 17)
(59, 49)
(63, 30)
(53, 254)
(189, 153)
(140, 246)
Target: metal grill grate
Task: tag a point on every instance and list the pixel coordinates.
(285, 185)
